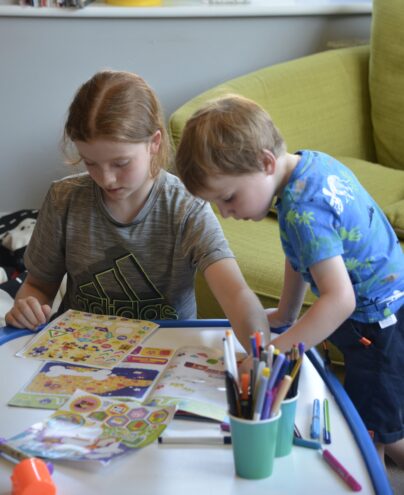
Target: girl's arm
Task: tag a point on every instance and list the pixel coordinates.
(32, 305)
(335, 304)
(239, 303)
(291, 300)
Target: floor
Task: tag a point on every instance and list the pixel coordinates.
(396, 477)
(394, 473)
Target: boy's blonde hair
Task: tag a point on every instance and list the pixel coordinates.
(226, 136)
(117, 106)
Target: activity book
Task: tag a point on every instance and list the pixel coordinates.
(191, 378)
(89, 339)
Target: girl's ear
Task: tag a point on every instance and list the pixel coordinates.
(268, 162)
(155, 142)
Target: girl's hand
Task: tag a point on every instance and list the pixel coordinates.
(28, 313)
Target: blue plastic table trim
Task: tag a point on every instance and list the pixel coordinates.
(372, 460)
(369, 453)
(373, 463)
(374, 466)
(10, 333)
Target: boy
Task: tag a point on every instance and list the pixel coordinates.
(335, 238)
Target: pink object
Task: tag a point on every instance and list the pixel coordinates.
(339, 469)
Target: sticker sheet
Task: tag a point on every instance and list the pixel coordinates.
(88, 339)
(93, 428)
(55, 382)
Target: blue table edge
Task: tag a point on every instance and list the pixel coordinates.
(373, 463)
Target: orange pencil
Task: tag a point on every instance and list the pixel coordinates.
(245, 395)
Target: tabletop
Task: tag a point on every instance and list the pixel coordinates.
(185, 469)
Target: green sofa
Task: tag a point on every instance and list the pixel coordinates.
(347, 102)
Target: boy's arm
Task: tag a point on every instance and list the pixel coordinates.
(291, 300)
(239, 303)
(32, 305)
(335, 304)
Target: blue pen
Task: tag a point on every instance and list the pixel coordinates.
(284, 369)
(253, 344)
(308, 444)
(315, 420)
(275, 370)
(266, 407)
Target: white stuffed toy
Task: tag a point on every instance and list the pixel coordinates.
(20, 235)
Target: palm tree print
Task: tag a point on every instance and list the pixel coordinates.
(292, 217)
(307, 218)
(353, 235)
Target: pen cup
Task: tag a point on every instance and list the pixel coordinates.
(254, 444)
(284, 440)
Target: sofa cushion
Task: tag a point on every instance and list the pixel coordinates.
(320, 101)
(386, 81)
(384, 184)
(395, 214)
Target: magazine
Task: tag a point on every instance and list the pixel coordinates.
(134, 378)
(93, 428)
(107, 356)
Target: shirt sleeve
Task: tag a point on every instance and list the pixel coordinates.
(44, 257)
(203, 237)
(311, 233)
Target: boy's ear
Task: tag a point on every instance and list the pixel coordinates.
(268, 161)
(155, 142)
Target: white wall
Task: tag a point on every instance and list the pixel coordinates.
(44, 60)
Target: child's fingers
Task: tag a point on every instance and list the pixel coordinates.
(47, 311)
(16, 319)
(12, 321)
(27, 313)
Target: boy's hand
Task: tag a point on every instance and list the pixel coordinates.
(28, 313)
(245, 365)
(275, 320)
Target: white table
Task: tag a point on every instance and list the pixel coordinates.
(191, 469)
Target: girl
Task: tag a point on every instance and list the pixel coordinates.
(127, 233)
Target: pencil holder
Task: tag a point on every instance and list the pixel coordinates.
(254, 444)
(284, 440)
(32, 477)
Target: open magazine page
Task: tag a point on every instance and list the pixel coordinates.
(133, 379)
(194, 380)
(89, 339)
(93, 428)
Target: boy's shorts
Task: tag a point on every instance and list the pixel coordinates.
(374, 376)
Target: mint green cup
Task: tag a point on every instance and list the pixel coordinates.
(254, 444)
(284, 440)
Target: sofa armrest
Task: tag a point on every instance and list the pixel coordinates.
(320, 101)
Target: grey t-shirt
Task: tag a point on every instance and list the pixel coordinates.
(144, 269)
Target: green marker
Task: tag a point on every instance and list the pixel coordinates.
(327, 425)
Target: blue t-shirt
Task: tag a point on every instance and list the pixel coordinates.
(324, 212)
